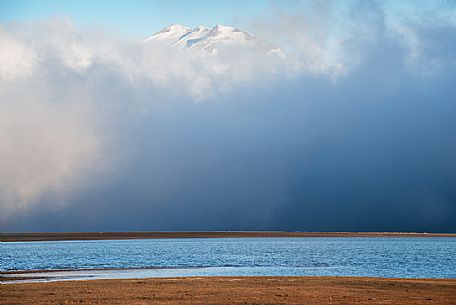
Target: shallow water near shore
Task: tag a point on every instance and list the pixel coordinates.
(340, 256)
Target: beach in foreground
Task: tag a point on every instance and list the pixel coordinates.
(235, 290)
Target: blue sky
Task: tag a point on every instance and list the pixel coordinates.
(143, 17)
(139, 17)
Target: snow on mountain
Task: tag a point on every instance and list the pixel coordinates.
(213, 39)
(170, 34)
(192, 37)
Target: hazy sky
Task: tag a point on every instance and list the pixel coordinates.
(354, 130)
(139, 17)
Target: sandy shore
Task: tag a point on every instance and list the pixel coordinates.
(49, 236)
(235, 290)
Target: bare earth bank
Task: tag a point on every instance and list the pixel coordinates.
(235, 290)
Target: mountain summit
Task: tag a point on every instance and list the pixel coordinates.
(211, 40)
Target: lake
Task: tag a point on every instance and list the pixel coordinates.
(339, 256)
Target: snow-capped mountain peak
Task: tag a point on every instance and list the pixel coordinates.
(229, 32)
(211, 40)
(191, 37)
(169, 34)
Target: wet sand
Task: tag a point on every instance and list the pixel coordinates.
(235, 290)
(51, 236)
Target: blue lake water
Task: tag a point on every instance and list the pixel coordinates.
(380, 257)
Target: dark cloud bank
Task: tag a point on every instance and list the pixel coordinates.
(372, 151)
(302, 155)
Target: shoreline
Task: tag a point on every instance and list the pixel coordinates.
(92, 274)
(235, 290)
(30, 276)
(21, 277)
(67, 236)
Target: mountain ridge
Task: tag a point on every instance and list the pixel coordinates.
(211, 40)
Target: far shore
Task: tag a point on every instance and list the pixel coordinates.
(56, 236)
(236, 290)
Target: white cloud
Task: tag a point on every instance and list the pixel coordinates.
(16, 59)
(322, 38)
(426, 32)
(46, 142)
